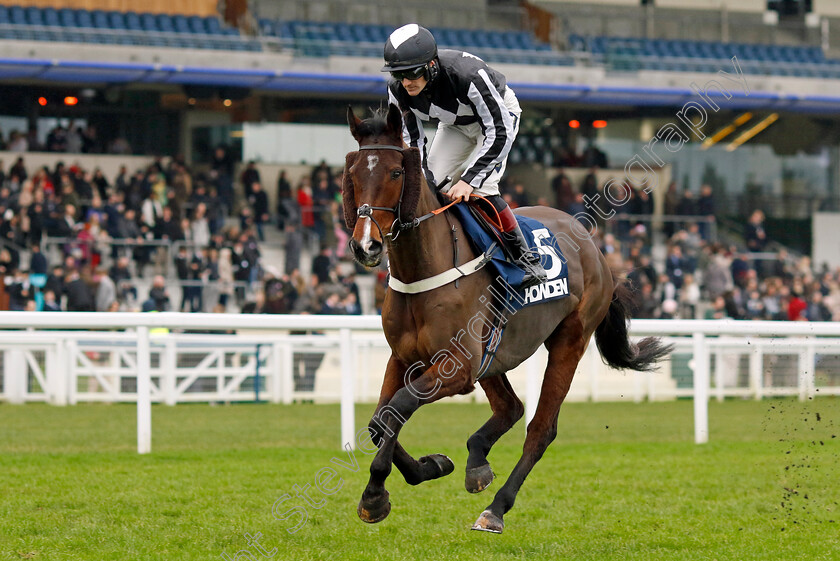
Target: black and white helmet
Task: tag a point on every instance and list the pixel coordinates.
(410, 46)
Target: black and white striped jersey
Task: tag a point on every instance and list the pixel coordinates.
(465, 91)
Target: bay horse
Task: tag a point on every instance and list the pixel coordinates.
(389, 206)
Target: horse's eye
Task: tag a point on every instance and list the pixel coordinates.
(396, 174)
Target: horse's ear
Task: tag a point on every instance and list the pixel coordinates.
(353, 121)
(348, 195)
(413, 183)
(395, 123)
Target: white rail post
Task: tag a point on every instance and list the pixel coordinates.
(56, 374)
(532, 389)
(719, 366)
(756, 366)
(169, 364)
(71, 351)
(701, 389)
(144, 392)
(16, 373)
(276, 385)
(811, 357)
(287, 372)
(807, 369)
(348, 401)
(802, 377)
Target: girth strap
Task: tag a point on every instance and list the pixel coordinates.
(439, 280)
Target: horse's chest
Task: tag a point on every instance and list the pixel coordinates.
(418, 334)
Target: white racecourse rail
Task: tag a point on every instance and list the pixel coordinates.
(50, 356)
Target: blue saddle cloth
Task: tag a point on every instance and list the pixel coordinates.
(510, 275)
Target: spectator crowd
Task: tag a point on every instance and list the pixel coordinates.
(701, 277)
(173, 225)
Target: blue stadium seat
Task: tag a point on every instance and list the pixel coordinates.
(100, 19)
(50, 16)
(197, 25)
(4, 14)
(117, 20)
(17, 15)
(484, 39)
(165, 23)
(344, 32)
(469, 38)
(83, 18)
(576, 42)
(132, 21)
(489, 39)
(34, 16)
(266, 26)
(149, 22)
(212, 25)
(181, 24)
(67, 17)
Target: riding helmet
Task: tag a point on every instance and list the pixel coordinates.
(409, 46)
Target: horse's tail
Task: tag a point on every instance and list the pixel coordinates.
(613, 340)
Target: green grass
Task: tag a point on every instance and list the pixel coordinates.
(622, 481)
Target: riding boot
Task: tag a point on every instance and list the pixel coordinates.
(525, 257)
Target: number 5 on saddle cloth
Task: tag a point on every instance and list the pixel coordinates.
(508, 295)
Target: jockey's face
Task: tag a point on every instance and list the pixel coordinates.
(414, 87)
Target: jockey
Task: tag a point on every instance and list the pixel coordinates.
(475, 108)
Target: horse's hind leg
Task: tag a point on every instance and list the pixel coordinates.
(565, 348)
(507, 409)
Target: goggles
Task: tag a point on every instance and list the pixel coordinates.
(410, 73)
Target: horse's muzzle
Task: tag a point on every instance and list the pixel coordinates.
(369, 256)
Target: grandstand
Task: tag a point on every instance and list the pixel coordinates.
(186, 156)
(599, 82)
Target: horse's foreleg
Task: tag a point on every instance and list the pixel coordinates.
(414, 471)
(507, 409)
(433, 384)
(565, 348)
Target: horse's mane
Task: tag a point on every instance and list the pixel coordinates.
(375, 125)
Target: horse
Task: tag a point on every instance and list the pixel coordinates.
(389, 206)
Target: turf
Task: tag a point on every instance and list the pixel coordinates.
(622, 481)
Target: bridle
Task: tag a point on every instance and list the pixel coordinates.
(397, 226)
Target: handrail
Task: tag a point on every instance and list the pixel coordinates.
(210, 321)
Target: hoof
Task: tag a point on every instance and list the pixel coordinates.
(489, 522)
(478, 479)
(376, 510)
(437, 465)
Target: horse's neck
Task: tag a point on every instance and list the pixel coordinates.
(425, 251)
